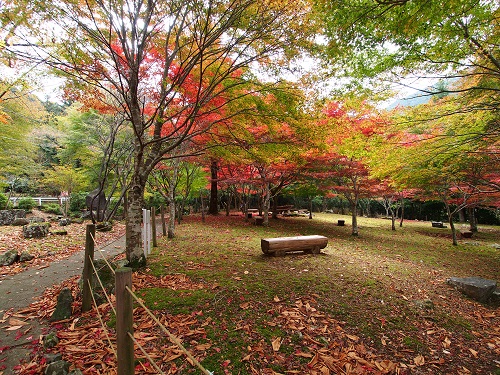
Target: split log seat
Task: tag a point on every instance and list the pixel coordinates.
(280, 245)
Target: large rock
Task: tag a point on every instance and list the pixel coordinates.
(58, 368)
(20, 221)
(26, 256)
(64, 307)
(9, 257)
(7, 217)
(36, 230)
(474, 287)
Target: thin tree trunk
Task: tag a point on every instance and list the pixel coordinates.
(213, 204)
(452, 226)
(202, 208)
(267, 203)
(402, 212)
(354, 217)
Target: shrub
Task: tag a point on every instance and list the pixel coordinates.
(26, 203)
(3, 201)
(52, 208)
(155, 200)
(77, 202)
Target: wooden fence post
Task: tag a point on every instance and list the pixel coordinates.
(124, 321)
(163, 223)
(153, 226)
(87, 268)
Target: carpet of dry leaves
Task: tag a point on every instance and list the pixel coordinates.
(50, 248)
(321, 344)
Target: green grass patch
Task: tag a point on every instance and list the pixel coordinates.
(174, 301)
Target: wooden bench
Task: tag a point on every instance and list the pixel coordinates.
(280, 245)
(438, 224)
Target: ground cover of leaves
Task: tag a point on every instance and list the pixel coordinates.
(51, 248)
(373, 304)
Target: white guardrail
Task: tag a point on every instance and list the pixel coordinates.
(41, 200)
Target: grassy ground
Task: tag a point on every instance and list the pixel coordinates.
(380, 297)
(377, 303)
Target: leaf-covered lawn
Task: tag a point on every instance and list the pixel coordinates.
(51, 248)
(373, 304)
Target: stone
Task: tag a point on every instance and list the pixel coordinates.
(36, 219)
(9, 257)
(20, 221)
(50, 340)
(96, 202)
(425, 304)
(495, 246)
(65, 221)
(474, 287)
(59, 232)
(7, 217)
(105, 226)
(76, 372)
(58, 368)
(36, 230)
(52, 357)
(64, 307)
(107, 277)
(26, 256)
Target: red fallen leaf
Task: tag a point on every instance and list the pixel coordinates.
(226, 363)
(3, 348)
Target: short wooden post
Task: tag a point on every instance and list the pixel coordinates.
(153, 226)
(163, 223)
(87, 268)
(124, 322)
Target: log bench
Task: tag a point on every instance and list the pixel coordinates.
(280, 245)
(438, 224)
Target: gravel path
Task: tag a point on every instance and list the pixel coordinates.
(18, 291)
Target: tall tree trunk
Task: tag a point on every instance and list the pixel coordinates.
(461, 216)
(267, 203)
(275, 208)
(228, 203)
(452, 226)
(213, 205)
(354, 217)
(310, 207)
(171, 214)
(393, 219)
(133, 238)
(202, 207)
(402, 212)
(472, 219)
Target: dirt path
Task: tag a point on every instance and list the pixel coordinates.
(18, 291)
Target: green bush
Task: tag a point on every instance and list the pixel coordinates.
(77, 202)
(52, 208)
(3, 201)
(26, 203)
(155, 200)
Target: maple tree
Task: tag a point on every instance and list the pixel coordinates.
(432, 157)
(340, 164)
(166, 66)
(388, 40)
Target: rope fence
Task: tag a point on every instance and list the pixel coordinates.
(123, 310)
